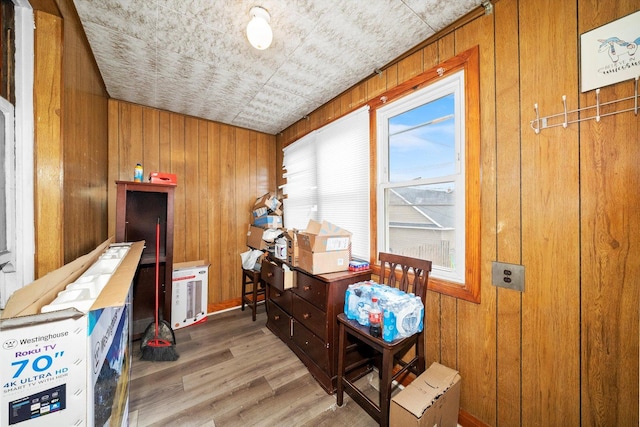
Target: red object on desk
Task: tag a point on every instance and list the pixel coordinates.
(163, 178)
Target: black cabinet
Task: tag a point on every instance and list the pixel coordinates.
(140, 207)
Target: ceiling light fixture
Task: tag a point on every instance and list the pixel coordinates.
(258, 30)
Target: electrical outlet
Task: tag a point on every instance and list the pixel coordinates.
(510, 276)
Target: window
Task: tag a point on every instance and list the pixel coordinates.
(327, 179)
(421, 177)
(427, 196)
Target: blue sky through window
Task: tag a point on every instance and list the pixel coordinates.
(422, 141)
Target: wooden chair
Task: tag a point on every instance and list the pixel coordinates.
(250, 296)
(409, 275)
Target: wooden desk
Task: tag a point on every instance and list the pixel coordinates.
(305, 316)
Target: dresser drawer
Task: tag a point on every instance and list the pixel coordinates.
(311, 345)
(310, 316)
(278, 321)
(277, 276)
(282, 298)
(273, 275)
(312, 289)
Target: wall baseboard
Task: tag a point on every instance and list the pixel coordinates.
(465, 419)
(228, 305)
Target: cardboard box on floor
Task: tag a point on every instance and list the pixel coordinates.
(68, 367)
(189, 293)
(431, 399)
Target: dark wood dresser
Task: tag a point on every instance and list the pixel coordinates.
(304, 316)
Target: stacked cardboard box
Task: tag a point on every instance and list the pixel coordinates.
(292, 247)
(266, 212)
(255, 238)
(323, 248)
(266, 219)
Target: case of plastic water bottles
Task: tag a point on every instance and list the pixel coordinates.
(402, 313)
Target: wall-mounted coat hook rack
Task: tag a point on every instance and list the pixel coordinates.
(563, 119)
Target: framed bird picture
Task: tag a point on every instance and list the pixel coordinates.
(611, 53)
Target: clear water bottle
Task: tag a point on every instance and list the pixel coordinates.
(375, 318)
(137, 173)
(420, 308)
(347, 308)
(389, 331)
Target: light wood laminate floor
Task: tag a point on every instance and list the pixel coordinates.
(234, 372)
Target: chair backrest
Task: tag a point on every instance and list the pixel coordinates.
(405, 273)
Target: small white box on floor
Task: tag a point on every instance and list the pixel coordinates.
(189, 293)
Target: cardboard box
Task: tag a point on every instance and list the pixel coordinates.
(292, 247)
(254, 238)
(260, 212)
(67, 366)
(323, 237)
(268, 201)
(431, 399)
(323, 262)
(189, 293)
(268, 221)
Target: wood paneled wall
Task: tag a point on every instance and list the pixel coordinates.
(609, 176)
(48, 154)
(70, 133)
(221, 170)
(563, 203)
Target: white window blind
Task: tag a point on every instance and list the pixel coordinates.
(327, 179)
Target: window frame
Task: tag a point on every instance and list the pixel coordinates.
(467, 61)
(451, 84)
(19, 271)
(7, 111)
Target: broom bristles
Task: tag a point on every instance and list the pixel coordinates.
(160, 347)
(163, 353)
(159, 351)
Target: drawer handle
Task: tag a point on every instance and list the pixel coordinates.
(307, 288)
(278, 294)
(306, 316)
(269, 274)
(276, 317)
